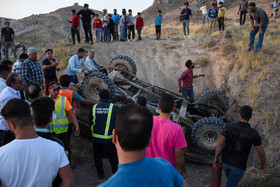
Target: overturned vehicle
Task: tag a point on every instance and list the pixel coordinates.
(202, 122)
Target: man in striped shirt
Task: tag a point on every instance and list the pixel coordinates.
(187, 78)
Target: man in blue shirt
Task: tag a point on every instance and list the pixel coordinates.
(213, 16)
(158, 19)
(74, 65)
(92, 64)
(14, 85)
(186, 15)
(131, 137)
(116, 18)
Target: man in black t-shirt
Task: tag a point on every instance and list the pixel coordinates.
(235, 144)
(87, 16)
(7, 39)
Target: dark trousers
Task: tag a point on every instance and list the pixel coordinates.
(110, 34)
(139, 30)
(116, 31)
(88, 33)
(66, 137)
(131, 30)
(6, 137)
(73, 79)
(243, 17)
(75, 31)
(158, 31)
(221, 22)
(110, 151)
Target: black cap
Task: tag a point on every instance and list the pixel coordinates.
(252, 4)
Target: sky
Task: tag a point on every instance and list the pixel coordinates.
(17, 9)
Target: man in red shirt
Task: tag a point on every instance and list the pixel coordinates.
(97, 27)
(75, 26)
(187, 78)
(139, 25)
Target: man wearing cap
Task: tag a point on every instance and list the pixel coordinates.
(259, 22)
(60, 124)
(32, 70)
(74, 65)
(92, 64)
(87, 16)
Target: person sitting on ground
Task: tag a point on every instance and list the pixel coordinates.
(42, 109)
(235, 144)
(50, 66)
(141, 100)
(30, 160)
(187, 78)
(4, 72)
(17, 66)
(168, 139)
(91, 63)
(63, 111)
(74, 65)
(131, 137)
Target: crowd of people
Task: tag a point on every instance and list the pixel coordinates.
(38, 116)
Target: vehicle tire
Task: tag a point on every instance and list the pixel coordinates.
(214, 97)
(206, 133)
(124, 63)
(93, 83)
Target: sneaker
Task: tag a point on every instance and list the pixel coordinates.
(91, 43)
(250, 48)
(188, 36)
(256, 51)
(185, 36)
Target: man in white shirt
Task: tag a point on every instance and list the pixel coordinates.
(4, 72)
(74, 65)
(91, 63)
(14, 84)
(203, 12)
(30, 160)
(17, 66)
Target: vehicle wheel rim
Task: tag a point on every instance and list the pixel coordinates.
(210, 136)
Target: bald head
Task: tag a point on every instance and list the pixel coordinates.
(34, 91)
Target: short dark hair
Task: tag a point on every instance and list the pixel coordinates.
(166, 103)
(159, 11)
(97, 15)
(214, 4)
(188, 63)
(18, 111)
(186, 3)
(74, 11)
(81, 50)
(104, 94)
(246, 112)
(221, 2)
(49, 50)
(7, 22)
(42, 109)
(34, 90)
(110, 15)
(7, 63)
(85, 5)
(4, 68)
(64, 80)
(115, 9)
(129, 10)
(141, 101)
(252, 4)
(133, 126)
(11, 79)
(139, 13)
(53, 82)
(23, 55)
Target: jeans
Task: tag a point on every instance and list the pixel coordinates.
(110, 151)
(252, 37)
(123, 32)
(233, 174)
(105, 32)
(204, 17)
(88, 33)
(98, 34)
(243, 17)
(116, 32)
(221, 22)
(75, 31)
(73, 79)
(188, 93)
(131, 30)
(212, 24)
(11, 45)
(158, 31)
(186, 23)
(139, 33)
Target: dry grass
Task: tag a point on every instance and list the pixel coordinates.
(202, 62)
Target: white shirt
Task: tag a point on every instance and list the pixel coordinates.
(92, 63)
(7, 94)
(74, 65)
(2, 84)
(203, 9)
(31, 162)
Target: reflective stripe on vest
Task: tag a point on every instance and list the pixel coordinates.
(60, 124)
(105, 135)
